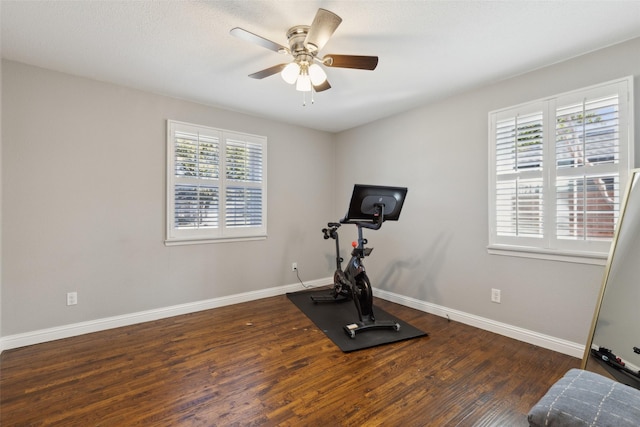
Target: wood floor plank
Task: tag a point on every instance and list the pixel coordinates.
(264, 363)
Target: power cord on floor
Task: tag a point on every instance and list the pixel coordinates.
(300, 280)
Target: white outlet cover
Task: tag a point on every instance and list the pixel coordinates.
(72, 298)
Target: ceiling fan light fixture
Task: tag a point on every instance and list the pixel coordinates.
(303, 84)
(304, 44)
(290, 73)
(317, 74)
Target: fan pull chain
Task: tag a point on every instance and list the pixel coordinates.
(304, 98)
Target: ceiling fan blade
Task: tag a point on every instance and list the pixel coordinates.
(322, 86)
(268, 71)
(351, 61)
(254, 38)
(322, 27)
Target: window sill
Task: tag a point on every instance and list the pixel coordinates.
(183, 242)
(591, 258)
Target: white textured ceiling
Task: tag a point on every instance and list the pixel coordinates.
(427, 49)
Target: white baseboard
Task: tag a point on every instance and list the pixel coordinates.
(66, 331)
(520, 334)
(75, 329)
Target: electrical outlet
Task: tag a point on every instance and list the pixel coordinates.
(72, 298)
(495, 295)
(294, 266)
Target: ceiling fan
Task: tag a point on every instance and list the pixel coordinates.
(305, 41)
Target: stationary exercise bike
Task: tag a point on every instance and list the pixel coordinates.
(370, 206)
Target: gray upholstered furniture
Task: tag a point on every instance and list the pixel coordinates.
(583, 398)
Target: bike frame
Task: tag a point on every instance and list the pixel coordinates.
(353, 282)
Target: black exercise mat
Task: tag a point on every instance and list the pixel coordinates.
(331, 317)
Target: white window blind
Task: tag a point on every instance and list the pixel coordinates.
(587, 154)
(556, 170)
(518, 164)
(216, 184)
(244, 177)
(196, 180)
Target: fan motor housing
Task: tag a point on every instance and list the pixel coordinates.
(296, 36)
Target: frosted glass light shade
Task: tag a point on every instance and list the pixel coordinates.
(290, 73)
(304, 83)
(317, 74)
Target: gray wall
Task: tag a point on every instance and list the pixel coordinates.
(84, 203)
(437, 251)
(1, 186)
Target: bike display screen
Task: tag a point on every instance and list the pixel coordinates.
(366, 200)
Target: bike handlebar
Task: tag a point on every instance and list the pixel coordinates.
(374, 224)
(331, 232)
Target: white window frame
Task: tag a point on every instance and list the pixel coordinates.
(222, 232)
(549, 246)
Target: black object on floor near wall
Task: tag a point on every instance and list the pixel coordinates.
(330, 318)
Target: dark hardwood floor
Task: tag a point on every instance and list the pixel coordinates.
(264, 363)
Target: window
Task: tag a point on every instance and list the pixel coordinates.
(557, 169)
(216, 184)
